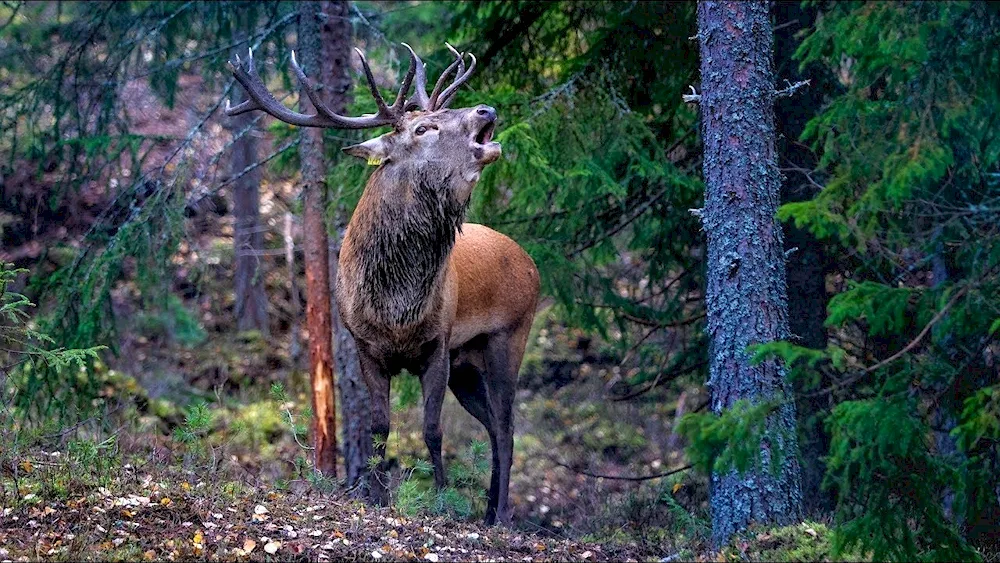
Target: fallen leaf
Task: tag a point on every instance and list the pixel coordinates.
(149, 555)
(165, 501)
(26, 466)
(272, 547)
(676, 487)
(249, 545)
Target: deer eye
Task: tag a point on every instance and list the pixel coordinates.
(421, 130)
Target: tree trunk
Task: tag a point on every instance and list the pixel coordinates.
(943, 418)
(248, 235)
(354, 399)
(317, 256)
(807, 263)
(746, 294)
(354, 411)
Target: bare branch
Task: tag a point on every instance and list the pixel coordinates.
(790, 90)
(693, 98)
(621, 478)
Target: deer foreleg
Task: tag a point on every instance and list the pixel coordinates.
(377, 381)
(433, 383)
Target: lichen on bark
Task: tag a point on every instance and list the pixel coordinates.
(746, 295)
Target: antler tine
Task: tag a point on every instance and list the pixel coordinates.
(432, 104)
(307, 85)
(399, 106)
(260, 98)
(420, 86)
(382, 108)
(459, 56)
(449, 94)
(442, 101)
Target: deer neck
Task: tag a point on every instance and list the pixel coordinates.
(403, 232)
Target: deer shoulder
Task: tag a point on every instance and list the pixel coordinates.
(497, 283)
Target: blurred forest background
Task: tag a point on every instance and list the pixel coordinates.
(161, 243)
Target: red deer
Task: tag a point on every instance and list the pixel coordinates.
(419, 289)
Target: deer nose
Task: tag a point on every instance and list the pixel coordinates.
(487, 112)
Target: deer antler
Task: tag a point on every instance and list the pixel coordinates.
(261, 99)
(438, 99)
(461, 77)
(419, 99)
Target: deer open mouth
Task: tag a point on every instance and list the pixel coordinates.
(485, 134)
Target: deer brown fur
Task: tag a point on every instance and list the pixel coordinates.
(419, 289)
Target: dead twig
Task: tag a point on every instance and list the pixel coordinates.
(693, 98)
(620, 477)
(791, 88)
(906, 349)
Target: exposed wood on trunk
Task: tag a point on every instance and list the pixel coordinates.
(746, 294)
(317, 257)
(356, 443)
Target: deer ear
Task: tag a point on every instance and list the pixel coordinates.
(372, 150)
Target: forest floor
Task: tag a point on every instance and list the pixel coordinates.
(133, 515)
(81, 505)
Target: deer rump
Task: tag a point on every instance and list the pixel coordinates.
(451, 302)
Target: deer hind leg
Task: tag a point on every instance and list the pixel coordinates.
(377, 381)
(469, 386)
(504, 352)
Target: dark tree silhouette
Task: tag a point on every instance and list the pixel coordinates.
(248, 233)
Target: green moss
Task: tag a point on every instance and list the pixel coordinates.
(808, 541)
(127, 551)
(258, 425)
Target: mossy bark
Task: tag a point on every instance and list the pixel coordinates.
(746, 295)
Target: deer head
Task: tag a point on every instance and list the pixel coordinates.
(425, 132)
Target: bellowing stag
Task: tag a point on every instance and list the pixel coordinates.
(421, 290)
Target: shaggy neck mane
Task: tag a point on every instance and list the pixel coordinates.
(407, 231)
